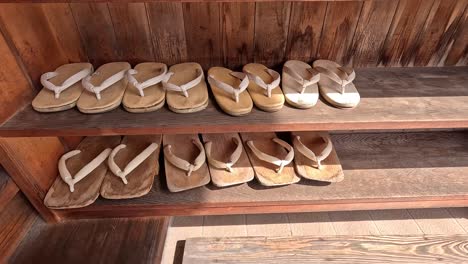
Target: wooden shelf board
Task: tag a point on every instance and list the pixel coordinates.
(8, 188)
(382, 171)
(392, 98)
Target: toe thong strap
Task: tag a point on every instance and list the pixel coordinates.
(57, 89)
(235, 92)
(232, 159)
(310, 154)
(184, 87)
(147, 83)
(83, 172)
(135, 162)
(271, 159)
(183, 164)
(267, 86)
(104, 85)
(341, 75)
(313, 78)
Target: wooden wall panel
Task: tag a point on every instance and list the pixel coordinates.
(305, 29)
(202, 33)
(237, 26)
(371, 31)
(132, 31)
(338, 30)
(438, 31)
(403, 35)
(167, 31)
(44, 35)
(271, 32)
(97, 32)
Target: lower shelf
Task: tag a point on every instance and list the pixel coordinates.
(382, 171)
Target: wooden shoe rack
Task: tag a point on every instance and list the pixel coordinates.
(404, 146)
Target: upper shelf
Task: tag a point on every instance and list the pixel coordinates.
(392, 98)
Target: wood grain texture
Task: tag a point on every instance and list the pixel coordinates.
(95, 241)
(8, 189)
(97, 32)
(15, 220)
(419, 176)
(132, 31)
(305, 28)
(167, 31)
(396, 98)
(339, 249)
(202, 33)
(32, 164)
(338, 30)
(404, 32)
(458, 52)
(237, 26)
(271, 32)
(45, 36)
(371, 31)
(442, 22)
(15, 88)
(436, 221)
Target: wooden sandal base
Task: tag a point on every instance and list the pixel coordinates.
(177, 179)
(86, 190)
(223, 146)
(291, 89)
(45, 100)
(258, 94)
(266, 172)
(154, 96)
(331, 170)
(110, 97)
(140, 180)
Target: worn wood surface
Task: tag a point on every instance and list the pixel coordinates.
(396, 98)
(95, 241)
(15, 220)
(339, 249)
(8, 189)
(32, 164)
(418, 176)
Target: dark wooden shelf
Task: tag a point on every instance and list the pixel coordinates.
(382, 171)
(392, 98)
(8, 188)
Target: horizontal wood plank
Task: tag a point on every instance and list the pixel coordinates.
(397, 98)
(382, 171)
(335, 249)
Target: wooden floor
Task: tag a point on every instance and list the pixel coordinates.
(453, 221)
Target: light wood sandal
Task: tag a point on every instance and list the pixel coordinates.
(184, 161)
(104, 88)
(336, 84)
(186, 88)
(229, 90)
(62, 87)
(271, 158)
(264, 87)
(315, 157)
(227, 160)
(88, 167)
(138, 155)
(299, 84)
(145, 92)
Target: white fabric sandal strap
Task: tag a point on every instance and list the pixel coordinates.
(183, 164)
(83, 172)
(310, 154)
(104, 85)
(232, 159)
(271, 159)
(135, 162)
(228, 88)
(268, 87)
(314, 77)
(66, 84)
(341, 75)
(184, 87)
(147, 83)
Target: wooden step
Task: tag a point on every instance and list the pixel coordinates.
(392, 98)
(95, 241)
(338, 249)
(382, 171)
(8, 188)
